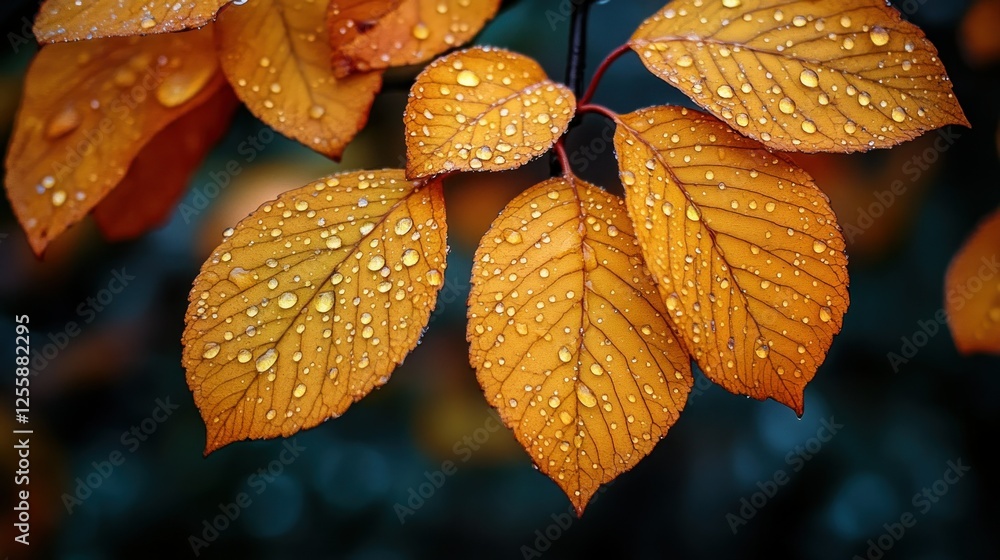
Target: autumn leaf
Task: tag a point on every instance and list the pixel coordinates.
(483, 109)
(978, 34)
(311, 302)
(73, 20)
(972, 291)
(148, 193)
(367, 35)
(746, 250)
(569, 337)
(88, 110)
(276, 55)
(807, 75)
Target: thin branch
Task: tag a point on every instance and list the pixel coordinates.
(576, 62)
(598, 109)
(599, 73)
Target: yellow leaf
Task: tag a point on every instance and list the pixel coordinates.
(88, 110)
(276, 55)
(368, 35)
(569, 337)
(745, 249)
(972, 291)
(312, 301)
(807, 75)
(483, 109)
(73, 20)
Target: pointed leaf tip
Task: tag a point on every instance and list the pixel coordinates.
(569, 338)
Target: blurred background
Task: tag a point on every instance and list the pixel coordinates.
(877, 443)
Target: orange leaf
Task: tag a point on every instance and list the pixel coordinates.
(88, 110)
(972, 291)
(312, 301)
(147, 195)
(73, 20)
(276, 54)
(806, 75)
(569, 336)
(368, 35)
(978, 34)
(483, 109)
(747, 253)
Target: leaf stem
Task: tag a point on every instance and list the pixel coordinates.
(599, 73)
(562, 158)
(598, 109)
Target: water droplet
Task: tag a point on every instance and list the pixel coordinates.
(762, 351)
(585, 396)
(879, 36)
(376, 263)
(731, 3)
(725, 92)
(287, 300)
(554, 401)
(850, 127)
(468, 78)
(243, 356)
(421, 31)
(685, 61)
(180, 87)
(898, 114)
(62, 123)
(410, 257)
(809, 78)
(300, 390)
(403, 226)
(270, 414)
(808, 127)
(324, 302)
(148, 22)
(513, 237)
(566, 418)
(565, 355)
(825, 314)
(819, 246)
(333, 242)
(692, 213)
(786, 106)
(316, 112)
(58, 198)
(596, 369)
(211, 351)
(433, 278)
(266, 360)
